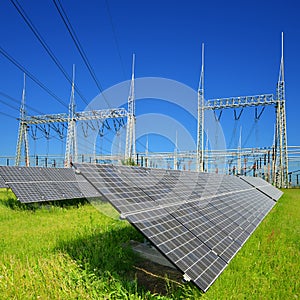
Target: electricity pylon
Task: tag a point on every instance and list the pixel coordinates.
(200, 129)
(280, 147)
(71, 144)
(22, 132)
(130, 150)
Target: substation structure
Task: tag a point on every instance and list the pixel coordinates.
(278, 173)
(96, 120)
(59, 122)
(270, 163)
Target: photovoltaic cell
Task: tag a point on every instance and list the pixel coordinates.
(199, 221)
(34, 184)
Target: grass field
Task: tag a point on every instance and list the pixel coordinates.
(75, 252)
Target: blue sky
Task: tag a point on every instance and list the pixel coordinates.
(242, 55)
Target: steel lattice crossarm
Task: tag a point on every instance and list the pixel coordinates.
(56, 120)
(79, 116)
(101, 114)
(242, 101)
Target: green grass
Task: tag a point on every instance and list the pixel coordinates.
(75, 252)
(268, 266)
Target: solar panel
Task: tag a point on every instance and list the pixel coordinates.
(34, 184)
(263, 186)
(199, 221)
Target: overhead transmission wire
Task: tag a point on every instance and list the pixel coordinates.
(18, 102)
(22, 68)
(119, 52)
(33, 78)
(78, 45)
(37, 81)
(9, 105)
(74, 37)
(29, 23)
(7, 115)
(3, 52)
(115, 37)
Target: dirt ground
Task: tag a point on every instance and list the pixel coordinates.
(157, 278)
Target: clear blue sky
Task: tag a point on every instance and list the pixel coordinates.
(242, 53)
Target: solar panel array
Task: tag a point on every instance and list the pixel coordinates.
(197, 220)
(35, 184)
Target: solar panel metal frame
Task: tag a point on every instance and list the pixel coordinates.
(217, 217)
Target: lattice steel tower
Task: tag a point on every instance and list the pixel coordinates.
(200, 129)
(130, 150)
(280, 147)
(22, 133)
(71, 144)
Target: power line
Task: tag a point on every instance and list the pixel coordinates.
(24, 70)
(18, 102)
(71, 31)
(75, 39)
(45, 45)
(7, 115)
(78, 45)
(115, 37)
(9, 105)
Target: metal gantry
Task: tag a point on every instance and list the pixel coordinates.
(58, 121)
(69, 120)
(242, 101)
(280, 161)
(54, 120)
